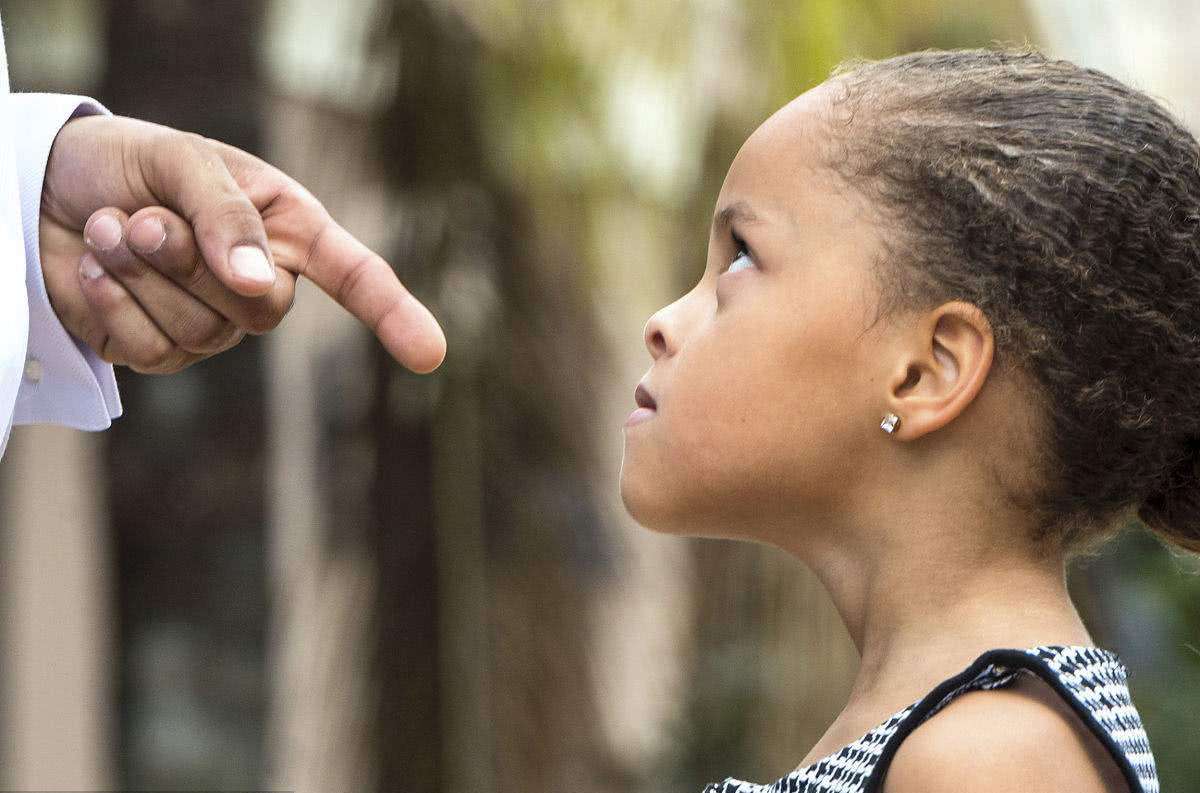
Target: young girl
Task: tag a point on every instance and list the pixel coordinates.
(947, 339)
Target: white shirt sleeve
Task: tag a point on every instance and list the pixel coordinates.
(64, 381)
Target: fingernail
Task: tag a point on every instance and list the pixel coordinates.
(90, 267)
(148, 234)
(251, 263)
(104, 233)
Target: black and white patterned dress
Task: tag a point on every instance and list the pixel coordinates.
(1091, 679)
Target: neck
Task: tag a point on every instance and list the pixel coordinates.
(918, 617)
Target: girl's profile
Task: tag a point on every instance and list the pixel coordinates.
(946, 341)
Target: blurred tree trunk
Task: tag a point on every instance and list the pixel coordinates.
(519, 545)
(324, 563)
(323, 572)
(187, 457)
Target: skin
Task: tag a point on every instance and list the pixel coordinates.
(167, 295)
(771, 381)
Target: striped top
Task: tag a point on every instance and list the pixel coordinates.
(1091, 679)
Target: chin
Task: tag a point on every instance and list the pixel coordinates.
(679, 500)
(648, 503)
(663, 510)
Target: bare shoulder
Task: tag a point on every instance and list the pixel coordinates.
(1020, 738)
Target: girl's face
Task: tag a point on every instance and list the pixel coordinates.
(761, 383)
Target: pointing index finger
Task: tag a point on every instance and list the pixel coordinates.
(345, 269)
(366, 286)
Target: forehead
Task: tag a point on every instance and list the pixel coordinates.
(779, 170)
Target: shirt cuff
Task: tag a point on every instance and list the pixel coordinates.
(66, 382)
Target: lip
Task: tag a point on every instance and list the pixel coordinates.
(639, 415)
(642, 396)
(646, 409)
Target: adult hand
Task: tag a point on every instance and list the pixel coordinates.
(210, 249)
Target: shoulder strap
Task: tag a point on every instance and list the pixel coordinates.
(1092, 682)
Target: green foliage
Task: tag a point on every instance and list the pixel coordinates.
(1148, 611)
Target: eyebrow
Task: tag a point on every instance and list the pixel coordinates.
(739, 211)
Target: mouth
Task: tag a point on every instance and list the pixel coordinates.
(643, 398)
(646, 407)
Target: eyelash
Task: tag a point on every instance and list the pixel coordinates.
(741, 249)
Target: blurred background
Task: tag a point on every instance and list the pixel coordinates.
(298, 566)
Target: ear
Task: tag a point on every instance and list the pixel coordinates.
(944, 362)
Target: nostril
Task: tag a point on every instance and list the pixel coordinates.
(655, 336)
(656, 342)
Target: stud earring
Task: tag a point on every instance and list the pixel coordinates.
(889, 423)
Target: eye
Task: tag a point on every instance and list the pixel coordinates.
(742, 260)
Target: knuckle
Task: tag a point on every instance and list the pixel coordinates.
(353, 278)
(189, 268)
(101, 342)
(218, 337)
(290, 301)
(280, 305)
(315, 245)
(185, 360)
(151, 354)
(233, 212)
(295, 193)
(233, 207)
(207, 337)
(187, 144)
(262, 321)
(93, 335)
(123, 265)
(194, 139)
(235, 338)
(168, 146)
(232, 338)
(229, 336)
(180, 359)
(193, 338)
(104, 299)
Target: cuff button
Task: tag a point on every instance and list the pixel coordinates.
(33, 370)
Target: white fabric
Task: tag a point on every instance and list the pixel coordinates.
(46, 374)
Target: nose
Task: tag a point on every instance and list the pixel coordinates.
(655, 334)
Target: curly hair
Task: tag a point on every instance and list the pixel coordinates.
(1066, 206)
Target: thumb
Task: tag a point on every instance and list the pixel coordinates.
(187, 174)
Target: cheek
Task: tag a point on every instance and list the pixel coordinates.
(730, 436)
(761, 415)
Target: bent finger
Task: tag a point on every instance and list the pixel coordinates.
(187, 321)
(165, 241)
(124, 333)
